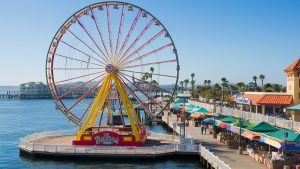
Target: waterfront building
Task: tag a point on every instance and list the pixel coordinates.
(34, 90)
(273, 103)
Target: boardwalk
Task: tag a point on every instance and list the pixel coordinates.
(229, 156)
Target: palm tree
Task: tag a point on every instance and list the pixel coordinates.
(262, 77)
(152, 70)
(224, 83)
(254, 79)
(205, 83)
(241, 86)
(181, 84)
(186, 82)
(145, 76)
(208, 82)
(193, 83)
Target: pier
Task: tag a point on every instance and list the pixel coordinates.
(11, 94)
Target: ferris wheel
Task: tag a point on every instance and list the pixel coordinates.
(111, 59)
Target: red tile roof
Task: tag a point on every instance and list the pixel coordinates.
(276, 100)
(295, 66)
(253, 97)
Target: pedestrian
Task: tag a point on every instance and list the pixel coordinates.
(205, 129)
(202, 128)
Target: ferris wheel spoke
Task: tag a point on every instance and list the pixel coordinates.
(157, 74)
(147, 83)
(60, 68)
(85, 111)
(85, 95)
(143, 46)
(78, 77)
(100, 34)
(79, 60)
(142, 91)
(89, 35)
(148, 54)
(130, 31)
(138, 37)
(108, 28)
(120, 29)
(78, 87)
(80, 51)
(85, 44)
(153, 63)
(137, 98)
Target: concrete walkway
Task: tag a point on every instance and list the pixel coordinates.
(229, 156)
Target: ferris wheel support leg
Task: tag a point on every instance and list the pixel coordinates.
(102, 103)
(121, 89)
(94, 105)
(131, 107)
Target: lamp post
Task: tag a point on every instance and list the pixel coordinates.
(286, 134)
(214, 123)
(240, 134)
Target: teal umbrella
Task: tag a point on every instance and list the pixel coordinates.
(202, 110)
(228, 119)
(181, 100)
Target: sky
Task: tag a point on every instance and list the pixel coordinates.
(214, 39)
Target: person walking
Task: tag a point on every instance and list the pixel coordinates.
(205, 129)
(202, 128)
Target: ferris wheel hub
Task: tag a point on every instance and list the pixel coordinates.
(110, 68)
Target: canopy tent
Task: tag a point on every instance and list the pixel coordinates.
(228, 119)
(202, 110)
(191, 106)
(208, 120)
(279, 135)
(201, 116)
(181, 100)
(250, 135)
(243, 123)
(223, 125)
(262, 127)
(295, 107)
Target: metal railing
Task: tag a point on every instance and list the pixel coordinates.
(28, 143)
(212, 159)
(279, 122)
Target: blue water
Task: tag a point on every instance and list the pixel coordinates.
(19, 118)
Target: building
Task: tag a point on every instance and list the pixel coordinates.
(276, 104)
(34, 90)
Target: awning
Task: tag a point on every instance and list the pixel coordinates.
(223, 125)
(250, 135)
(295, 107)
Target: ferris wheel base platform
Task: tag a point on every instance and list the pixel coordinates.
(60, 145)
(117, 136)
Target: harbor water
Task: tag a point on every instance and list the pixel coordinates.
(19, 118)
